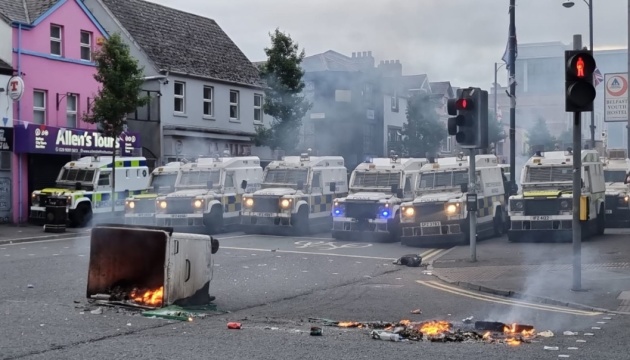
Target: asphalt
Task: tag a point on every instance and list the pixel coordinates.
(273, 285)
(544, 271)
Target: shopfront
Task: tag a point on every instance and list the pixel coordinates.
(41, 151)
(6, 147)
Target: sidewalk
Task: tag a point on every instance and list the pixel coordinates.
(27, 233)
(544, 272)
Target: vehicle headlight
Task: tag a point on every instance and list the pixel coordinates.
(198, 203)
(162, 204)
(69, 200)
(131, 204)
(408, 211)
(249, 202)
(452, 209)
(34, 199)
(517, 205)
(285, 203)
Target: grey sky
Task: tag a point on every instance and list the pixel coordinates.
(456, 40)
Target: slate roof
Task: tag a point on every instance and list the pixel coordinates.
(184, 43)
(329, 61)
(25, 11)
(440, 87)
(5, 69)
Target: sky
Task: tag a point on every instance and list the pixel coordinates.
(450, 40)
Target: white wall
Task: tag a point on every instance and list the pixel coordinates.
(6, 45)
(6, 104)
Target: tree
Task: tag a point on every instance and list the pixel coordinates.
(540, 138)
(422, 133)
(121, 80)
(284, 101)
(496, 132)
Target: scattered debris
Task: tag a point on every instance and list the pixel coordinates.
(570, 333)
(572, 348)
(546, 334)
(589, 334)
(468, 320)
(234, 325)
(607, 318)
(97, 311)
(316, 331)
(551, 348)
(271, 328)
(385, 335)
(563, 356)
(580, 341)
(601, 322)
(30, 286)
(411, 260)
(416, 311)
(596, 328)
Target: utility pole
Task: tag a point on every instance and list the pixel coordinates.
(590, 37)
(628, 125)
(512, 83)
(471, 205)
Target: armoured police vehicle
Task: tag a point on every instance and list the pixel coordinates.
(377, 188)
(617, 177)
(87, 185)
(296, 196)
(543, 209)
(439, 213)
(208, 194)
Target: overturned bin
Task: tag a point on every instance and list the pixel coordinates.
(149, 266)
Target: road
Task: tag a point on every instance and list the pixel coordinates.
(275, 282)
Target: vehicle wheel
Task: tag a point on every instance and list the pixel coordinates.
(82, 215)
(601, 221)
(214, 221)
(511, 237)
(300, 221)
(394, 228)
(499, 224)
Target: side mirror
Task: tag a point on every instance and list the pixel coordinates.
(210, 184)
(399, 194)
(214, 245)
(394, 189)
(77, 186)
(300, 185)
(333, 187)
(463, 187)
(244, 184)
(582, 182)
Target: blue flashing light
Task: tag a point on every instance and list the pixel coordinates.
(385, 213)
(337, 212)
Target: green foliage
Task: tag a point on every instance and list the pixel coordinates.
(284, 101)
(121, 80)
(423, 132)
(496, 132)
(540, 138)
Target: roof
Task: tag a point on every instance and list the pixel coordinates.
(184, 43)
(313, 161)
(442, 88)
(389, 164)
(25, 11)
(5, 69)
(329, 61)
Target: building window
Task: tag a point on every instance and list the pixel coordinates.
(39, 107)
(5, 160)
(234, 95)
(55, 40)
(71, 111)
(180, 97)
(86, 45)
(208, 96)
(394, 105)
(258, 107)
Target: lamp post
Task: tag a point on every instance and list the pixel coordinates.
(589, 3)
(496, 71)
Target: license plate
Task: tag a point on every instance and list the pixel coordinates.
(178, 216)
(144, 215)
(542, 218)
(266, 215)
(430, 224)
(608, 211)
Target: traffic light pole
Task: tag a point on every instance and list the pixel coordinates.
(577, 189)
(472, 210)
(512, 83)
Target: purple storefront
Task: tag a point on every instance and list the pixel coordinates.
(47, 149)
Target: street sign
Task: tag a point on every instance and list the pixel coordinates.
(616, 97)
(16, 88)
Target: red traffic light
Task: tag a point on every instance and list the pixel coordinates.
(461, 104)
(581, 65)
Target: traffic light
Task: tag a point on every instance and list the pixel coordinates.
(470, 124)
(579, 89)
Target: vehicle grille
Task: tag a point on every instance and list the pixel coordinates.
(542, 207)
(266, 204)
(612, 201)
(179, 206)
(362, 210)
(145, 206)
(42, 199)
(430, 212)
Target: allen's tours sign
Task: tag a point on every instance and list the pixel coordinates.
(42, 139)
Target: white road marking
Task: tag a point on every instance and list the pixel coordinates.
(307, 253)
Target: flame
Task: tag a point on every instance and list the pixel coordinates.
(149, 297)
(435, 327)
(348, 324)
(405, 322)
(486, 336)
(513, 342)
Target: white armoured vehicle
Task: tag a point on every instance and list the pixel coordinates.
(617, 177)
(377, 188)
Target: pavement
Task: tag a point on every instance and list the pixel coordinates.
(544, 272)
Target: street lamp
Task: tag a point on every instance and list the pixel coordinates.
(568, 4)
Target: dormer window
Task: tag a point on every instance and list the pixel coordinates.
(86, 45)
(56, 40)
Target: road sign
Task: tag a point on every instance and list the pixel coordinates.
(616, 97)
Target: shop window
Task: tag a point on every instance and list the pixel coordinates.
(5, 160)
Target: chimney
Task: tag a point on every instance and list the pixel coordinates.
(369, 53)
(354, 54)
(390, 68)
(382, 62)
(365, 54)
(359, 54)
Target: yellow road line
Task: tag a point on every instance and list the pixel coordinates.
(500, 300)
(434, 253)
(426, 253)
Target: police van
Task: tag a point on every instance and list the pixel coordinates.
(377, 188)
(140, 209)
(439, 212)
(296, 196)
(87, 185)
(208, 194)
(616, 175)
(543, 209)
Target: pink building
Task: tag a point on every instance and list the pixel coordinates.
(53, 43)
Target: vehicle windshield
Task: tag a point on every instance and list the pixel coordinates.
(376, 180)
(73, 176)
(548, 174)
(199, 178)
(442, 179)
(163, 180)
(284, 177)
(617, 176)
